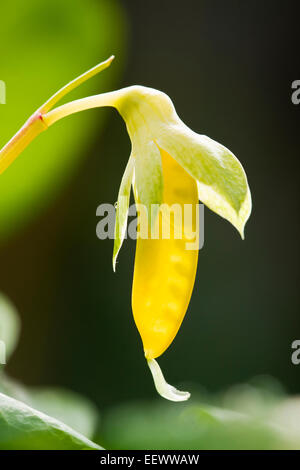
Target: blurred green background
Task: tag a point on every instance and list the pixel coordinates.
(228, 66)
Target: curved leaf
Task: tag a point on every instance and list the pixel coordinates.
(222, 182)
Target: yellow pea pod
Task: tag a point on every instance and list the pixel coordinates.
(165, 270)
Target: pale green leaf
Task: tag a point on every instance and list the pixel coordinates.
(222, 182)
(122, 209)
(22, 427)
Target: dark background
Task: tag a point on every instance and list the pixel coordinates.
(228, 67)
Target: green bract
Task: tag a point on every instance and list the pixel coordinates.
(153, 125)
(222, 181)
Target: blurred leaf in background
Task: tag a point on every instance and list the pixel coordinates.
(43, 46)
(70, 407)
(22, 428)
(40, 417)
(250, 416)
